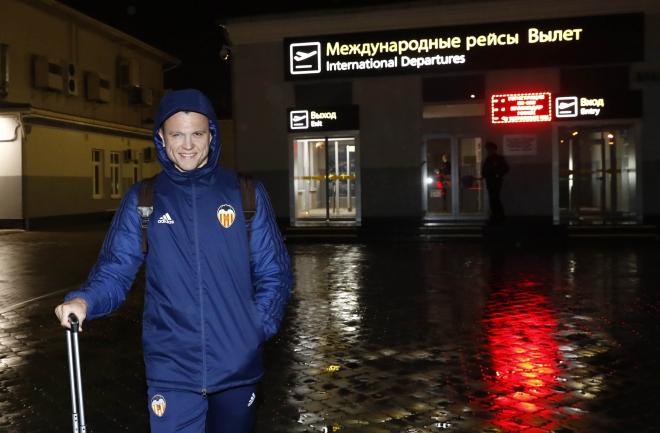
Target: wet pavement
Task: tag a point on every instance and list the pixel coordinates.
(36, 263)
(407, 337)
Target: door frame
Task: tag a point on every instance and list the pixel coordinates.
(294, 221)
(635, 127)
(455, 214)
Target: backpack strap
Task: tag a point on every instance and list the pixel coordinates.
(145, 208)
(146, 204)
(249, 199)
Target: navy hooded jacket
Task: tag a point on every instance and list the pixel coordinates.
(213, 295)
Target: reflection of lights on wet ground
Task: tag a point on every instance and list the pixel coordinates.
(344, 287)
(335, 323)
(525, 359)
(540, 372)
(531, 372)
(332, 428)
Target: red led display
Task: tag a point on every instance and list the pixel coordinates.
(521, 107)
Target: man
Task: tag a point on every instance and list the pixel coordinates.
(493, 171)
(213, 294)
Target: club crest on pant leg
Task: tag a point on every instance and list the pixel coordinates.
(158, 405)
(226, 215)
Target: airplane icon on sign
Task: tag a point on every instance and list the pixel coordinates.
(301, 55)
(566, 106)
(305, 58)
(299, 119)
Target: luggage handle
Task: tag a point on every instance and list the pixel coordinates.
(75, 323)
(75, 378)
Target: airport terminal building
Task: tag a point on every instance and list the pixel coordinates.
(359, 115)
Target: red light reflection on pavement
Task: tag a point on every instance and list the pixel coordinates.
(525, 357)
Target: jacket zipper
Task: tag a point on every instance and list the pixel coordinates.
(199, 285)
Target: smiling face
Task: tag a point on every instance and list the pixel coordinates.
(186, 138)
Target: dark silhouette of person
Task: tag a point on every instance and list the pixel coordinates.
(444, 177)
(493, 171)
(445, 166)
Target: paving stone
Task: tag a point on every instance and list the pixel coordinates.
(408, 337)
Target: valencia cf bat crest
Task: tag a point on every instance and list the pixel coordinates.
(226, 215)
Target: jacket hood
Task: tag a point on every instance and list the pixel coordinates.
(187, 100)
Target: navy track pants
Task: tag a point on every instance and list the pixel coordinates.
(229, 411)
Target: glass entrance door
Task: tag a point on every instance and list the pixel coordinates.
(597, 174)
(341, 178)
(325, 179)
(471, 189)
(439, 185)
(456, 193)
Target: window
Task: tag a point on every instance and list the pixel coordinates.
(115, 176)
(136, 171)
(97, 173)
(4, 70)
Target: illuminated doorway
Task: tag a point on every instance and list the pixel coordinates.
(326, 185)
(451, 177)
(596, 174)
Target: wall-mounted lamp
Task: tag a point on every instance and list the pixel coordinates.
(9, 127)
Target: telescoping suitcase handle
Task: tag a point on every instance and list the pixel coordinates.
(75, 379)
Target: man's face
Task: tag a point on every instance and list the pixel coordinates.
(187, 137)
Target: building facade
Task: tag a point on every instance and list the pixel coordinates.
(76, 112)
(365, 114)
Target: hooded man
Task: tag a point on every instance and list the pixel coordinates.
(213, 295)
(493, 171)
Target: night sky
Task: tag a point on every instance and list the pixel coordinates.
(192, 34)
